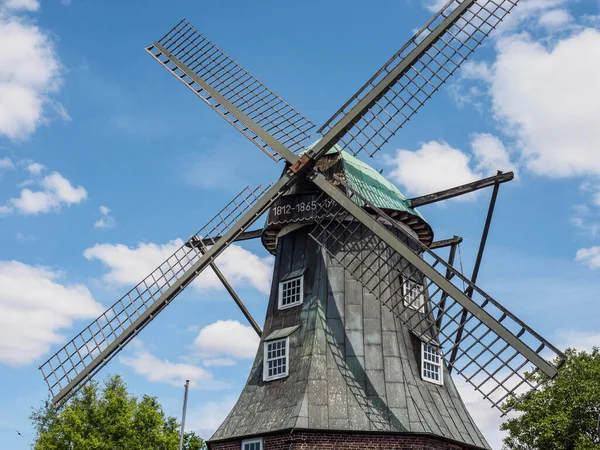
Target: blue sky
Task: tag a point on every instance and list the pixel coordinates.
(106, 161)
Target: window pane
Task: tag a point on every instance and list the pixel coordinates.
(290, 292)
(276, 358)
(431, 365)
(413, 294)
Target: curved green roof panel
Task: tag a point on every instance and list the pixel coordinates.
(369, 183)
(373, 186)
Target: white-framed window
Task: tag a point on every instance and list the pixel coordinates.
(291, 292)
(276, 360)
(252, 444)
(432, 364)
(413, 294)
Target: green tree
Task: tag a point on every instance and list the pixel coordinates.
(108, 418)
(563, 415)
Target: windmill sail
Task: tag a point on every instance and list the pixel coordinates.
(404, 83)
(247, 104)
(494, 350)
(82, 357)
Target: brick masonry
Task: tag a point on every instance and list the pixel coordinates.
(304, 440)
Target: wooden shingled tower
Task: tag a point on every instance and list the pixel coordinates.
(350, 365)
(367, 324)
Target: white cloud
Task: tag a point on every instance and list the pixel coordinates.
(436, 165)
(555, 18)
(25, 238)
(227, 338)
(205, 419)
(57, 191)
(586, 220)
(128, 266)
(30, 71)
(530, 13)
(6, 163)
(488, 419)
(433, 167)
(158, 370)
(219, 362)
(35, 168)
(546, 97)
(476, 70)
(63, 189)
(491, 155)
(434, 5)
(35, 306)
(20, 5)
(106, 221)
(589, 256)
(579, 340)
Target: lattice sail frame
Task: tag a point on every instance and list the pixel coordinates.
(278, 130)
(412, 86)
(69, 363)
(484, 359)
(194, 60)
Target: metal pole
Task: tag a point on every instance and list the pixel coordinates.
(234, 295)
(185, 395)
(469, 291)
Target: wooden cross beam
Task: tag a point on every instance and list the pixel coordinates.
(461, 190)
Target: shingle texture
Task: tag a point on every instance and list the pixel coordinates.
(353, 366)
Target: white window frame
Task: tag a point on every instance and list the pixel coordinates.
(280, 294)
(418, 306)
(266, 376)
(252, 441)
(439, 365)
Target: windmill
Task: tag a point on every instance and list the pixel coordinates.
(366, 324)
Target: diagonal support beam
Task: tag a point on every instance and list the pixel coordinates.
(461, 190)
(474, 276)
(434, 276)
(364, 105)
(234, 295)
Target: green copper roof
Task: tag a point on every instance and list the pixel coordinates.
(373, 186)
(369, 183)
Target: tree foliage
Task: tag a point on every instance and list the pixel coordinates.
(108, 418)
(563, 415)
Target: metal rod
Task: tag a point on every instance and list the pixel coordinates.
(461, 190)
(246, 235)
(469, 291)
(185, 397)
(234, 295)
(446, 243)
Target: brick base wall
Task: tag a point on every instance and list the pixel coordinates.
(303, 440)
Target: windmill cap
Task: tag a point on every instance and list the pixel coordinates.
(375, 188)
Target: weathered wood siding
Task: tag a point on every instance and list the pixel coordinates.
(353, 365)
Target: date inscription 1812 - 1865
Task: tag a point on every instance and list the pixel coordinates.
(300, 208)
